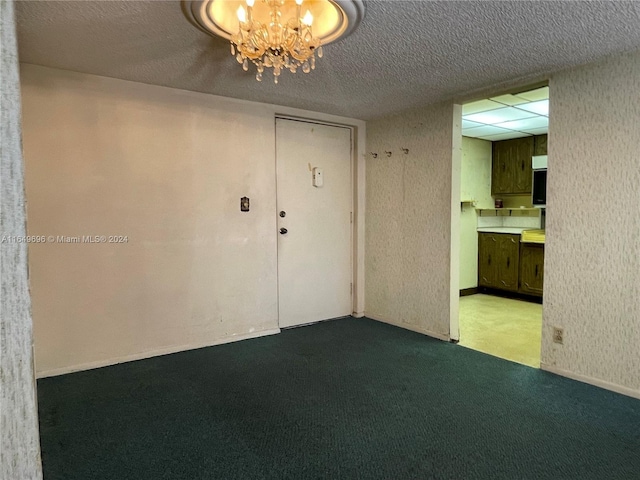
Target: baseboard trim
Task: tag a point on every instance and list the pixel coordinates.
(468, 291)
(591, 381)
(509, 294)
(407, 326)
(153, 353)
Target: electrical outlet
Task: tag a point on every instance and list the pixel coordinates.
(558, 335)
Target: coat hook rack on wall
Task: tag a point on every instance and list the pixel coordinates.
(405, 151)
(374, 155)
(388, 153)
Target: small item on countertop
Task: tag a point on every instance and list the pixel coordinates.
(498, 203)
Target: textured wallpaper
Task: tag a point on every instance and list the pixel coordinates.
(408, 219)
(592, 251)
(19, 444)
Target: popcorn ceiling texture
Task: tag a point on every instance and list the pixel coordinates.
(405, 54)
(19, 443)
(592, 250)
(408, 219)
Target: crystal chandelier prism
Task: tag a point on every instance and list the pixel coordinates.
(283, 43)
(276, 34)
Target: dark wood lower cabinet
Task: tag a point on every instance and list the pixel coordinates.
(498, 258)
(531, 268)
(506, 264)
(488, 251)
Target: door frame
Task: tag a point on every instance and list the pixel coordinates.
(358, 145)
(454, 250)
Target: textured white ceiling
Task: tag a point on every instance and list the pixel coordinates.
(404, 54)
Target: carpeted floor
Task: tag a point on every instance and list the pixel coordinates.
(347, 399)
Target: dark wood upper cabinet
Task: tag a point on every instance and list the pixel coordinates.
(540, 145)
(502, 171)
(511, 166)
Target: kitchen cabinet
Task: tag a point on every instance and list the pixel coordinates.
(487, 254)
(540, 145)
(531, 268)
(511, 166)
(498, 257)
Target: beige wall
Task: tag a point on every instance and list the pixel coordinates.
(475, 185)
(165, 168)
(592, 251)
(408, 219)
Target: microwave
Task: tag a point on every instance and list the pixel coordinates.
(539, 186)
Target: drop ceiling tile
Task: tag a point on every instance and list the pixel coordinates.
(535, 95)
(482, 131)
(470, 124)
(540, 107)
(509, 99)
(504, 136)
(500, 115)
(537, 131)
(526, 124)
(480, 106)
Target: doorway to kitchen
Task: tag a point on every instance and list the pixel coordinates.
(501, 224)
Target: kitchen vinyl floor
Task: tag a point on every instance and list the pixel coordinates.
(502, 327)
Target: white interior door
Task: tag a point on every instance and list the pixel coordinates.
(314, 222)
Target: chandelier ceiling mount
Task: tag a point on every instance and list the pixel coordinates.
(276, 34)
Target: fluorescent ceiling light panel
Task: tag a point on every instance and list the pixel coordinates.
(480, 106)
(481, 131)
(540, 107)
(526, 124)
(507, 116)
(509, 99)
(500, 115)
(535, 95)
(470, 124)
(504, 136)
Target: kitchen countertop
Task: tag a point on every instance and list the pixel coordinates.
(533, 236)
(527, 234)
(511, 230)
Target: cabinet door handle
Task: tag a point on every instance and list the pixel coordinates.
(489, 262)
(508, 262)
(536, 270)
(522, 166)
(503, 167)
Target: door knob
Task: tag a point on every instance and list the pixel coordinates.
(283, 231)
(283, 214)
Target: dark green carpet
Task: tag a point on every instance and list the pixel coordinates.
(348, 399)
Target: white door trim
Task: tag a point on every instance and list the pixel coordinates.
(454, 275)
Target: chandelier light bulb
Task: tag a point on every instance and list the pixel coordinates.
(298, 2)
(242, 16)
(250, 3)
(308, 18)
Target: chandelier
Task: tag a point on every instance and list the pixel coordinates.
(280, 44)
(276, 34)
